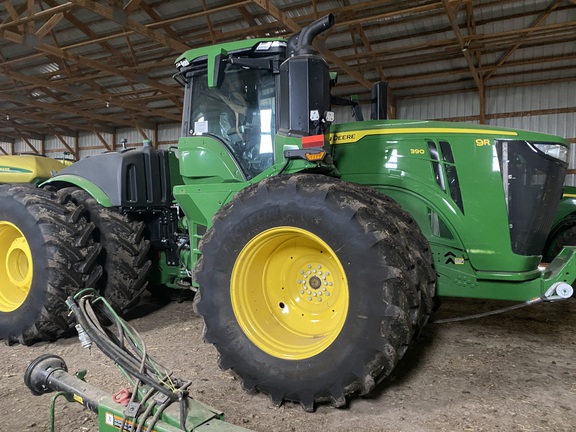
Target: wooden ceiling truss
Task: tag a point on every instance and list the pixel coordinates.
(97, 66)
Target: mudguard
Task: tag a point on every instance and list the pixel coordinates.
(128, 179)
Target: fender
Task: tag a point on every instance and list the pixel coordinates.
(74, 180)
(132, 179)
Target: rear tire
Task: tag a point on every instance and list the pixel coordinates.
(124, 257)
(281, 336)
(423, 274)
(46, 254)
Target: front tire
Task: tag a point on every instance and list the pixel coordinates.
(46, 254)
(266, 262)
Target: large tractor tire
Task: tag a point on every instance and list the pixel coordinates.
(46, 254)
(565, 236)
(124, 257)
(423, 273)
(309, 291)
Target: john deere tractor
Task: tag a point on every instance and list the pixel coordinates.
(315, 250)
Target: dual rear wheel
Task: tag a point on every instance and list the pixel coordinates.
(312, 288)
(54, 243)
(47, 253)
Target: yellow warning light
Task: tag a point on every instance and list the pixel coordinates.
(315, 156)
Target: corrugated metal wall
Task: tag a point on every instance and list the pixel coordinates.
(90, 144)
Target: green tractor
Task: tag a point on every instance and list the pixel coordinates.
(316, 251)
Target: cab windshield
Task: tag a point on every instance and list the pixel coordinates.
(241, 112)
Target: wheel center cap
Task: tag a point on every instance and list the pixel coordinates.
(315, 282)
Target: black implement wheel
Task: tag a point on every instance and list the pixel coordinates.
(124, 257)
(46, 254)
(307, 289)
(563, 236)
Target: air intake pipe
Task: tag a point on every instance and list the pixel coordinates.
(304, 83)
(301, 43)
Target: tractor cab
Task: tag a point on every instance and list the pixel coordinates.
(230, 96)
(245, 94)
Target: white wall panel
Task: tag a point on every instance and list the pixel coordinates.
(169, 134)
(20, 146)
(133, 136)
(439, 107)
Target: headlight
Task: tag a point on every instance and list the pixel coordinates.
(557, 151)
(182, 63)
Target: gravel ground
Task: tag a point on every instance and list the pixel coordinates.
(511, 372)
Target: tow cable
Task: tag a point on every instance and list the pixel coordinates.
(557, 292)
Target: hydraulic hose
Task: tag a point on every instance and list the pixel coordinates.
(113, 352)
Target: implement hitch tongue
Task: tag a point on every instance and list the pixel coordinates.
(158, 401)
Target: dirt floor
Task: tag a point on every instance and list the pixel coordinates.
(512, 372)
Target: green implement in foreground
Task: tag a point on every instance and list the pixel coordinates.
(316, 250)
(156, 401)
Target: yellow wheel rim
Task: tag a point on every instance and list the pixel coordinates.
(15, 267)
(289, 293)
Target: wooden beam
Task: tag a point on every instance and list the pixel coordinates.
(35, 16)
(77, 146)
(29, 144)
(49, 25)
(31, 41)
(120, 17)
(131, 6)
(551, 8)
(463, 44)
(63, 141)
(103, 141)
(55, 107)
(45, 120)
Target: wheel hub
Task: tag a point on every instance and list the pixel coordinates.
(315, 282)
(289, 293)
(16, 268)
